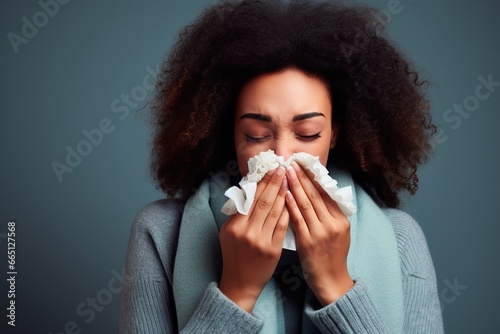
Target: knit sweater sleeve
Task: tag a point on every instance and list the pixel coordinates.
(146, 301)
(355, 312)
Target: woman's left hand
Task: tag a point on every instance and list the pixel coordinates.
(322, 236)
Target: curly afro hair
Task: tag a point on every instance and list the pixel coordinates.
(378, 98)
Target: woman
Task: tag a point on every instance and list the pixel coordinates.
(320, 78)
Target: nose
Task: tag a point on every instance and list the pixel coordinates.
(283, 147)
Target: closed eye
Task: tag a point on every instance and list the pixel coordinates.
(255, 139)
(309, 138)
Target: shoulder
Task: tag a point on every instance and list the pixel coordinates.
(159, 221)
(153, 238)
(412, 245)
(404, 225)
(160, 212)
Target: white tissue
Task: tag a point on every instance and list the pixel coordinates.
(241, 199)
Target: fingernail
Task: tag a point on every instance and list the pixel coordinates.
(280, 172)
(296, 166)
(284, 187)
(291, 173)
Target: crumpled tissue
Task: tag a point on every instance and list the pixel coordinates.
(241, 198)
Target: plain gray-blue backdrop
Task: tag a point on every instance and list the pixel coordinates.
(70, 69)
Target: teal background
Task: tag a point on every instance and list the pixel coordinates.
(72, 235)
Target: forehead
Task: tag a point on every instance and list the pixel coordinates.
(284, 94)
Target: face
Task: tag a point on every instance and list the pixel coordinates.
(287, 112)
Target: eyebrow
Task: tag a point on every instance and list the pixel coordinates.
(259, 117)
(302, 117)
(297, 118)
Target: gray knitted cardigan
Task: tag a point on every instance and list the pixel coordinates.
(147, 305)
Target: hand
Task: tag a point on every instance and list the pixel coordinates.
(322, 236)
(251, 244)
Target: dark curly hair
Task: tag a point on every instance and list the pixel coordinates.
(378, 98)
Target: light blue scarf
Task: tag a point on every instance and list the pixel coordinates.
(373, 258)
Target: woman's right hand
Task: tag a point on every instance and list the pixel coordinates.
(251, 244)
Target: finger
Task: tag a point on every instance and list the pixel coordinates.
(263, 183)
(310, 187)
(331, 205)
(260, 188)
(241, 220)
(266, 200)
(303, 202)
(281, 228)
(276, 211)
(298, 221)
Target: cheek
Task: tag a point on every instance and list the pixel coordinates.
(243, 163)
(324, 158)
(322, 150)
(245, 150)
(243, 153)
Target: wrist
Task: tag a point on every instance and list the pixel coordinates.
(240, 297)
(332, 291)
